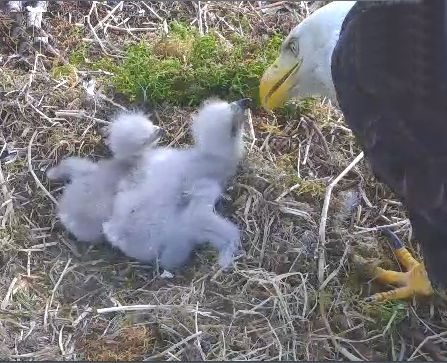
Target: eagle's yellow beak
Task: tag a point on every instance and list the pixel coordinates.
(277, 82)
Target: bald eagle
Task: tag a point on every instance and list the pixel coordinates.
(385, 62)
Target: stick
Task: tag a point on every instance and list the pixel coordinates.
(137, 308)
(175, 346)
(30, 168)
(337, 346)
(323, 221)
(5, 301)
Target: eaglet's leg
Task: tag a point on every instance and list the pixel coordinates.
(413, 282)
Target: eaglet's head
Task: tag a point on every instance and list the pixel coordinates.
(130, 133)
(218, 126)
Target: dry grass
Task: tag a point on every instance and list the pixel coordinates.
(271, 305)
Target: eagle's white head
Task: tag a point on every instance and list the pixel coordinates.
(303, 68)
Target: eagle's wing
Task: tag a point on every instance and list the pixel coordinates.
(390, 74)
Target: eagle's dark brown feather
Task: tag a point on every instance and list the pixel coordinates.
(390, 74)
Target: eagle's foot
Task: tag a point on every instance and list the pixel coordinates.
(413, 282)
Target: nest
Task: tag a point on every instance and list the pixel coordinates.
(62, 300)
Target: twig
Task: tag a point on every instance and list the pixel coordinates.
(43, 115)
(175, 346)
(39, 247)
(179, 135)
(437, 355)
(92, 29)
(266, 234)
(105, 98)
(312, 124)
(30, 168)
(382, 227)
(141, 307)
(80, 114)
(196, 323)
(5, 301)
(152, 11)
(109, 14)
(307, 149)
(130, 30)
(81, 316)
(31, 76)
(6, 197)
(272, 5)
(56, 285)
(335, 272)
(252, 129)
(296, 212)
(199, 17)
(337, 346)
(60, 341)
(323, 221)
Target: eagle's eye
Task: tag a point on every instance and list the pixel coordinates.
(293, 46)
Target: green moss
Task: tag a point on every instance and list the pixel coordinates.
(185, 67)
(27, 300)
(295, 109)
(313, 188)
(17, 166)
(62, 71)
(14, 235)
(386, 313)
(183, 30)
(79, 56)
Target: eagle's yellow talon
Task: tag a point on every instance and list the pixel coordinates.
(390, 277)
(405, 258)
(399, 293)
(414, 282)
